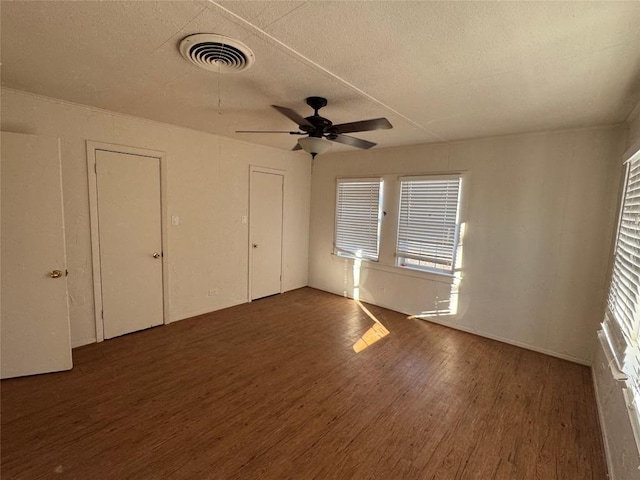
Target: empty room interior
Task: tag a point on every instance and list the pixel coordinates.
(320, 240)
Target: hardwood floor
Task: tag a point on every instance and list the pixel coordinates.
(274, 390)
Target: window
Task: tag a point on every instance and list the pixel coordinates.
(622, 320)
(358, 218)
(428, 222)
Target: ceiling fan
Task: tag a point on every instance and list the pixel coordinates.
(319, 129)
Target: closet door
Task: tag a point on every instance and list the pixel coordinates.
(34, 327)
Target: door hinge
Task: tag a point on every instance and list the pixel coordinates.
(95, 167)
(102, 314)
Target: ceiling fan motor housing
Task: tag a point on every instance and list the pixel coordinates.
(320, 125)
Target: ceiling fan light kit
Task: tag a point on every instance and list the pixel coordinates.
(321, 131)
(314, 145)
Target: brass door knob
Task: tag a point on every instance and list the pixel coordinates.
(56, 274)
(156, 255)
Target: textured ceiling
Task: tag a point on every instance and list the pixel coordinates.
(437, 70)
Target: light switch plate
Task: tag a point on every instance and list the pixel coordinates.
(175, 220)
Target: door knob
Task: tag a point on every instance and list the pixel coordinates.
(255, 245)
(56, 274)
(156, 255)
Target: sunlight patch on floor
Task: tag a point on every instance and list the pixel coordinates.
(377, 332)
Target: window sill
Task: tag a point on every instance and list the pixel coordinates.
(443, 277)
(616, 373)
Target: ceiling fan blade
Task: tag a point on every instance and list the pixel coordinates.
(270, 131)
(352, 141)
(363, 126)
(293, 116)
(296, 147)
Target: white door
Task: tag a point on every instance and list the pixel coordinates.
(130, 232)
(34, 328)
(266, 233)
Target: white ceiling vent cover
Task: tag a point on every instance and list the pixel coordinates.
(216, 53)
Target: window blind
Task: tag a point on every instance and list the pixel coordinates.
(622, 321)
(428, 222)
(625, 280)
(358, 218)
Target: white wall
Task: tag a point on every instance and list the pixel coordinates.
(208, 179)
(622, 453)
(539, 216)
(633, 128)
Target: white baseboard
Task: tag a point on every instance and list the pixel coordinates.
(84, 341)
(480, 333)
(516, 343)
(197, 313)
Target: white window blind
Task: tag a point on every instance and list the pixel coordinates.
(428, 222)
(358, 218)
(625, 280)
(623, 316)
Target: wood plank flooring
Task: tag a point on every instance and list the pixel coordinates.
(274, 390)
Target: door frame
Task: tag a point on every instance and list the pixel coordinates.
(270, 171)
(92, 148)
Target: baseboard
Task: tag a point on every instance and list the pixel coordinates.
(515, 343)
(603, 430)
(204, 312)
(480, 333)
(83, 342)
(87, 341)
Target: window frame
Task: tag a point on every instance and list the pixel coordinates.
(346, 253)
(400, 259)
